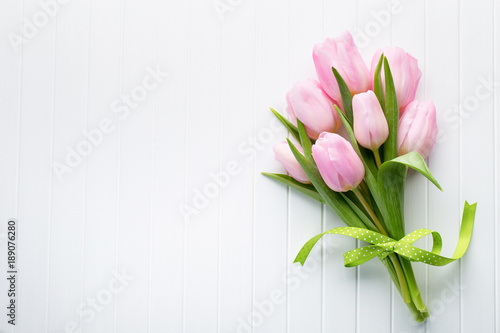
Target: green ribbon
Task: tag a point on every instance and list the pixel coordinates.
(383, 245)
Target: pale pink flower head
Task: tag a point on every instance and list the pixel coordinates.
(315, 109)
(417, 128)
(370, 125)
(284, 155)
(339, 165)
(342, 54)
(405, 73)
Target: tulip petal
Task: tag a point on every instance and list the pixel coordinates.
(370, 124)
(342, 54)
(338, 163)
(284, 155)
(417, 129)
(322, 159)
(308, 102)
(405, 73)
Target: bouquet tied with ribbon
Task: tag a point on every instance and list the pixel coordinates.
(361, 175)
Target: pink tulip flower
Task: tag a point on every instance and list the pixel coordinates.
(405, 73)
(308, 102)
(370, 125)
(417, 128)
(284, 155)
(338, 163)
(341, 53)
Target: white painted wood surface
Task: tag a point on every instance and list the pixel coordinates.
(105, 247)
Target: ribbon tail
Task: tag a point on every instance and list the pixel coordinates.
(465, 230)
(412, 253)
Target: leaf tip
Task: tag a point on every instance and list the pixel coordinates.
(438, 186)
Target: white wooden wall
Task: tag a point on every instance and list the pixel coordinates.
(229, 265)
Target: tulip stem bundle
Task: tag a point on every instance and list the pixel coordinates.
(405, 293)
(362, 186)
(370, 211)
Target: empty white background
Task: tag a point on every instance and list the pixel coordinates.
(119, 208)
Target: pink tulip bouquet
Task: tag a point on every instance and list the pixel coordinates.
(361, 175)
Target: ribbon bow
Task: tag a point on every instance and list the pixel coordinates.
(382, 245)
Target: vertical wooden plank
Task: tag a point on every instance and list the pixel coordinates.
(68, 191)
(169, 168)
(305, 218)
(496, 105)
(201, 247)
(408, 32)
(10, 85)
(102, 169)
(134, 216)
(339, 283)
(374, 283)
(35, 172)
(477, 164)
(236, 187)
(442, 71)
(270, 198)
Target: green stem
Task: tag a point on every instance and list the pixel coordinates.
(405, 292)
(377, 157)
(399, 271)
(417, 315)
(370, 211)
(364, 188)
(412, 285)
(403, 273)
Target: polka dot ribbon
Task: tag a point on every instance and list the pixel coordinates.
(382, 245)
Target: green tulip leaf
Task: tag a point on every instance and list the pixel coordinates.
(377, 82)
(346, 95)
(289, 126)
(305, 142)
(390, 147)
(415, 161)
(391, 181)
(306, 189)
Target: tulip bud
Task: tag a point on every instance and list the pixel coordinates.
(405, 73)
(370, 125)
(284, 155)
(417, 128)
(308, 102)
(338, 163)
(341, 53)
